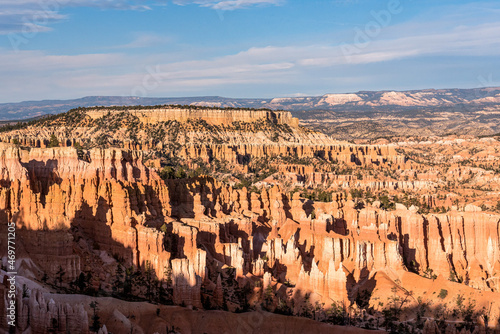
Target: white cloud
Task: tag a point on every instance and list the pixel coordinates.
(33, 16)
(144, 40)
(150, 75)
(229, 4)
(57, 4)
(46, 75)
(478, 40)
(38, 62)
(26, 20)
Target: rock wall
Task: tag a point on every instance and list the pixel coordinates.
(38, 315)
(113, 203)
(211, 116)
(79, 215)
(365, 155)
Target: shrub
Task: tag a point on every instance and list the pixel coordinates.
(443, 293)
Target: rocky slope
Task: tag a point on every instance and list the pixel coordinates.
(226, 135)
(201, 243)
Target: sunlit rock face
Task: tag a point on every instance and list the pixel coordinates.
(205, 242)
(211, 116)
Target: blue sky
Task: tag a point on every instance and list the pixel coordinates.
(61, 49)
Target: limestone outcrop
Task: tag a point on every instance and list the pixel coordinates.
(205, 242)
(211, 116)
(37, 313)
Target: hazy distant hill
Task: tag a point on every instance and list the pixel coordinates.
(414, 98)
(361, 101)
(361, 115)
(29, 109)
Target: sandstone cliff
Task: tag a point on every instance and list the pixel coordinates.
(205, 240)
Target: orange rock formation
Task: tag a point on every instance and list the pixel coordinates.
(87, 216)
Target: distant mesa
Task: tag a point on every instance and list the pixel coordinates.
(213, 116)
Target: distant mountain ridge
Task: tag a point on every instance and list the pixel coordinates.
(30, 109)
(362, 101)
(413, 98)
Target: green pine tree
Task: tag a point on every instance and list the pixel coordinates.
(53, 142)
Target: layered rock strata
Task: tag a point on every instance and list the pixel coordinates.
(85, 216)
